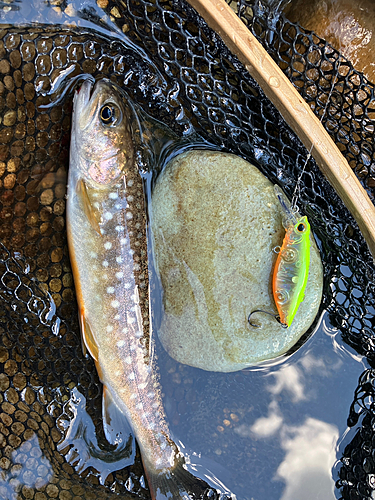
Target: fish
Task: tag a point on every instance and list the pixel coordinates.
(107, 240)
(291, 269)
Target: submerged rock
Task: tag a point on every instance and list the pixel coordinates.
(215, 223)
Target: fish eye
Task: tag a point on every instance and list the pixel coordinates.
(109, 114)
(301, 227)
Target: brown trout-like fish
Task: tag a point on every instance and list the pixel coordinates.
(106, 221)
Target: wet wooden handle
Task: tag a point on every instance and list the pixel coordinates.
(294, 109)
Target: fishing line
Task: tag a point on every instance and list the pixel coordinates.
(297, 189)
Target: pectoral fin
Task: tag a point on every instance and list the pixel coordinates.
(88, 338)
(87, 206)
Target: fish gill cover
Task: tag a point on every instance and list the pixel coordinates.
(187, 79)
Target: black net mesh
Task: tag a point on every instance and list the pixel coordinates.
(317, 71)
(187, 79)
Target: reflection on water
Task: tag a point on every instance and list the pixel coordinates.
(274, 429)
(310, 453)
(28, 468)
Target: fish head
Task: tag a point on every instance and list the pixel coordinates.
(102, 144)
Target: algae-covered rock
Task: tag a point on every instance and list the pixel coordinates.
(215, 223)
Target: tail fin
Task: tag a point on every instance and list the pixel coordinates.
(180, 484)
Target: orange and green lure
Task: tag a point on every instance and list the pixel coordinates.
(293, 262)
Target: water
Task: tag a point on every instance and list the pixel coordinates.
(269, 432)
(275, 429)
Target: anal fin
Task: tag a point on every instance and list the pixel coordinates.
(117, 430)
(81, 448)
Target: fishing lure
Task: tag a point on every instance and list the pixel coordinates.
(292, 265)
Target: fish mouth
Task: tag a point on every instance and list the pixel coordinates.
(82, 100)
(87, 99)
(81, 105)
(84, 93)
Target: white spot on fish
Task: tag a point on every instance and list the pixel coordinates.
(113, 196)
(131, 252)
(108, 216)
(151, 394)
(131, 321)
(138, 334)
(117, 317)
(118, 373)
(93, 255)
(139, 406)
(125, 330)
(131, 376)
(110, 289)
(119, 260)
(142, 386)
(151, 425)
(128, 360)
(105, 263)
(137, 267)
(96, 205)
(133, 396)
(130, 182)
(127, 285)
(109, 328)
(129, 215)
(115, 303)
(133, 347)
(119, 228)
(130, 198)
(163, 445)
(107, 245)
(119, 275)
(120, 343)
(145, 415)
(123, 241)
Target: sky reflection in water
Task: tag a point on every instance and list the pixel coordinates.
(290, 419)
(31, 470)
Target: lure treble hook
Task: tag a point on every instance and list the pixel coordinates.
(276, 316)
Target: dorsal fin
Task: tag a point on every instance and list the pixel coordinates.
(87, 206)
